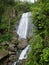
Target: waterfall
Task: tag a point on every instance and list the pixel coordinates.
(24, 25)
(23, 31)
(23, 55)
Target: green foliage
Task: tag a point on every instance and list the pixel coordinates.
(24, 7)
(45, 55)
(1, 39)
(7, 37)
(10, 13)
(39, 54)
(21, 7)
(4, 19)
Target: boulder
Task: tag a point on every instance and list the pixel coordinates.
(22, 44)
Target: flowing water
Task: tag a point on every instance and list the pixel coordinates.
(23, 32)
(23, 55)
(24, 25)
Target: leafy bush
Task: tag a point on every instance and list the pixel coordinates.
(39, 54)
(7, 37)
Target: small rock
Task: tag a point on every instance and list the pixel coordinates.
(13, 58)
(11, 53)
(14, 40)
(5, 43)
(11, 47)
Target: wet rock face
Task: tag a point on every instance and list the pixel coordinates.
(22, 44)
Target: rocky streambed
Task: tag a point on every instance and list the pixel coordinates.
(12, 53)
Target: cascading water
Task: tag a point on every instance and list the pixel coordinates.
(24, 25)
(23, 55)
(23, 31)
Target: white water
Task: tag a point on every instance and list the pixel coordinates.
(24, 25)
(30, 1)
(23, 53)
